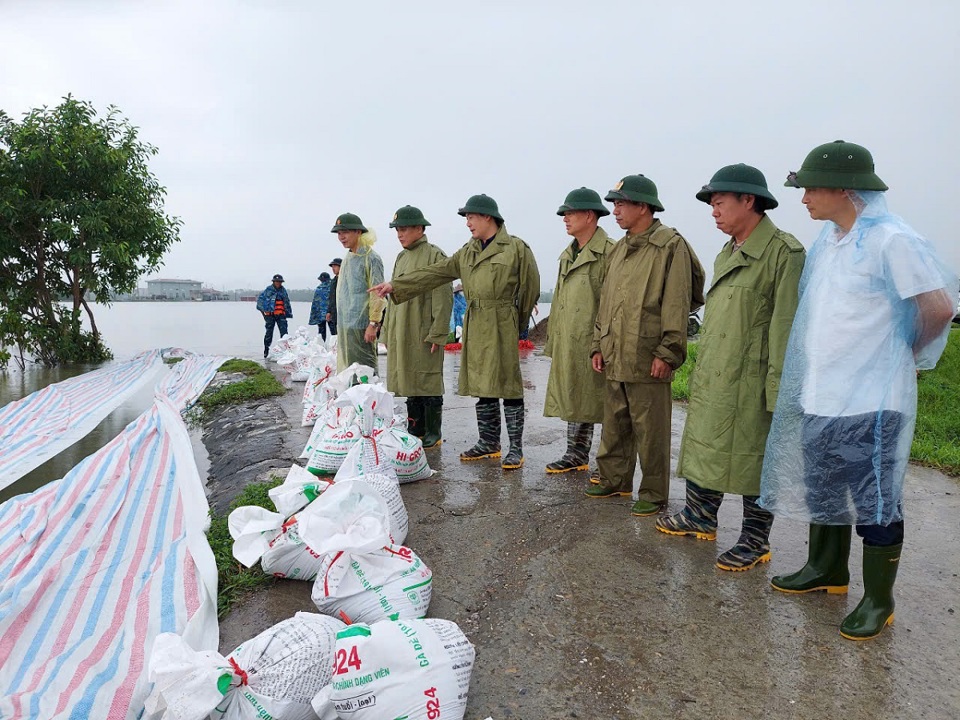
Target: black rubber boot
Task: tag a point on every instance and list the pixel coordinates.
(875, 610)
(827, 567)
(514, 416)
(433, 417)
(488, 425)
(415, 416)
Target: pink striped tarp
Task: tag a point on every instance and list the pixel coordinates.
(94, 566)
(37, 427)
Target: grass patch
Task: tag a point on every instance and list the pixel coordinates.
(233, 579)
(936, 441)
(258, 383)
(680, 388)
(937, 438)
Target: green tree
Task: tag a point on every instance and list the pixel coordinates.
(81, 217)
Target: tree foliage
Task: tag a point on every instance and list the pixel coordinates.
(81, 217)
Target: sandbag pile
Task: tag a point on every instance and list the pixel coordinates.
(276, 674)
(341, 523)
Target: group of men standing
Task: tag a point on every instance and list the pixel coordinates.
(803, 395)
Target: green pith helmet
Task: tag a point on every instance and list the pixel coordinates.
(583, 199)
(348, 221)
(408, 216)
(481, 205)
(636, 188)
(738, 178)
(837, 165)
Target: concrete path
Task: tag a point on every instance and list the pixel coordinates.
(579, 610)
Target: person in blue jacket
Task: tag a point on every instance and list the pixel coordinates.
(321, 303)
(274, 304)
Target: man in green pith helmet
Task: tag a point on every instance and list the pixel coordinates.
(733, 388)
(653, 281)
(501, 284)
(574, 390)
(416, 331)
(359, 314)
(875, 307)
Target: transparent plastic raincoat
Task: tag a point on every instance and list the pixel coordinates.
(840, 440)
(356, 308)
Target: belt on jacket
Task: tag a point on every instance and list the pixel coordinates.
(491, 303)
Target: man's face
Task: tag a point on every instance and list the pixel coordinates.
(350, 239)
(578, 222)
(627, 213)
(409, 235)
(731, 212)
(482, 227)
(335, 269)
(825, 203)
(277, 284)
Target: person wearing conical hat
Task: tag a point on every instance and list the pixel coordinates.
(875, 307)
(574, 390)
(501, 284)
(359, 314)
(654, 280)
(416, 331)
(733, 388)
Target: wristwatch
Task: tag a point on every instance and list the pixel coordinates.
(374, 324)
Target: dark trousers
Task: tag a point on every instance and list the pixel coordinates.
(853, 459)
(269, 321)
(322, 328)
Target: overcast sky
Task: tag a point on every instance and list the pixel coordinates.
(273, 117)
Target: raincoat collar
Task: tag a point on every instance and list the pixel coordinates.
(753, 248)
(496, 246)
(635, 242)
(417, 243)
(595, 247)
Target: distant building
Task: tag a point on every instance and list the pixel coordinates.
(172, 289)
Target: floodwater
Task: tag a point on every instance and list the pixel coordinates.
(210, 328)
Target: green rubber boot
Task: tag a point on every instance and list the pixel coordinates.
(875, 610)
(488, 425)
(827, 563)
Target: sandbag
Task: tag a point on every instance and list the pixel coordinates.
(368, 403)
(274, 675)
(384, 447)
(273, 540)
(411, 669)
(363, 577)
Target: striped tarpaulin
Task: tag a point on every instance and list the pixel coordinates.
(95, 565)
(37, 427)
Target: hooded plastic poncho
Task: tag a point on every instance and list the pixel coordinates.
(840, 439)
(356, 307)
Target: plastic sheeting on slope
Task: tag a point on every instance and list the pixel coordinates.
(37, 427)
(94, 566)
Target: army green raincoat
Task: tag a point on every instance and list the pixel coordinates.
(574, 390)
(411, 328)
(501, 284)
(734, 385)
(654, 280)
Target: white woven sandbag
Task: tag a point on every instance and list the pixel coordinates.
(412, 669)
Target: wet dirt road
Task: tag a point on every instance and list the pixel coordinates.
(579, 610)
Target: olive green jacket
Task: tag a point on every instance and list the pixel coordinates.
(501, 285)
(410, 329)
(734, 384)
(653, 281)
(574, 390)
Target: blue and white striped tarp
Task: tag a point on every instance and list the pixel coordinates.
(95, 565)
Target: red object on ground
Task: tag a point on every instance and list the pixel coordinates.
(526, 345)
(453, 347)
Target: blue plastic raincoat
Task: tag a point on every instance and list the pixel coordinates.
(840, 439)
